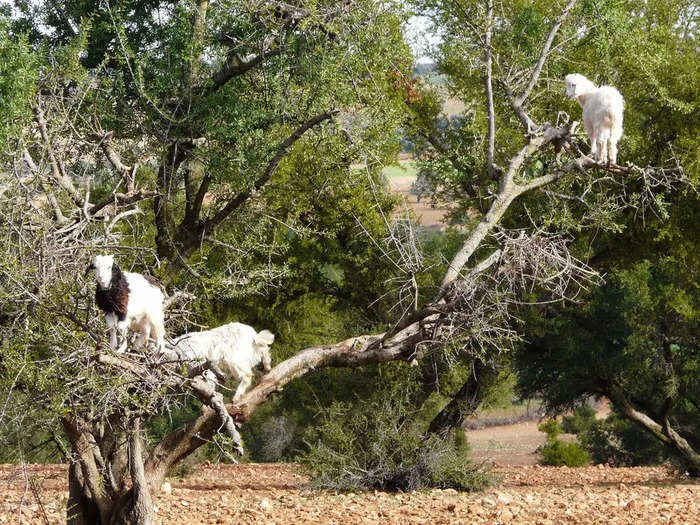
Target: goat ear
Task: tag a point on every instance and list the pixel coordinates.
(90, 267)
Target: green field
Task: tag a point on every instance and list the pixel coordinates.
(405, 168)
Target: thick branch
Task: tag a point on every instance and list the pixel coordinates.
(353, 352)
(467, 399)
(124, 171)
(508, 191)
(122, 199)
(235, 68)
(663, 432)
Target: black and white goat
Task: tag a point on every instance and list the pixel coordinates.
(128, 300)
(236, 348)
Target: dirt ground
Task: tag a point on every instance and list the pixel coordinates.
(277, 494)
(429, 216)
(524, 493)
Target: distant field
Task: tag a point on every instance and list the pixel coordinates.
(406, 168)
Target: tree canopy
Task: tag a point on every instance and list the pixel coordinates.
(233, 149)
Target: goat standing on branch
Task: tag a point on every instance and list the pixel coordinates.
(603, 109)
(235, 347)
(128, 300)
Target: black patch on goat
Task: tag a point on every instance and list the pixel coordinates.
(115, 298)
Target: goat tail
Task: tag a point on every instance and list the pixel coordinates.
(265, 337)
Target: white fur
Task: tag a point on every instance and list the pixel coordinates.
(603, 110)
(236, 348)
(144, 311)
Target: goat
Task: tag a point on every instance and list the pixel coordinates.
(603, 109)
(236, 348)
(128, 300)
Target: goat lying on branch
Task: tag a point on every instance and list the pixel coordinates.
(128, 300)
(235, 347)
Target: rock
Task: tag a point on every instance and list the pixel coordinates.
(504, 498)
(265, 504)
(166, 488)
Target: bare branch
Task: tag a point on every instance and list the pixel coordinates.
(124, 171)
(57, 169)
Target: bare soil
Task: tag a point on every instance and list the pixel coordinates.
(428, 215)
(278, 493)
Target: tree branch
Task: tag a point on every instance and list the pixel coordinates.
(353, 352)
(125, 172)
(489, 88)
(57, 169)
(233, 67)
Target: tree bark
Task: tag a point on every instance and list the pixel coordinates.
(467, 399)
(663, 432)
(80, 508)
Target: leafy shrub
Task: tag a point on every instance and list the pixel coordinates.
(273, 439)
(551, 427)
(582, 418)
(558, 453)
(371, 444)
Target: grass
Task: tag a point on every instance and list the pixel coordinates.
(405, 168)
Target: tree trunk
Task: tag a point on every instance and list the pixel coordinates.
(112, 506)
(80, 509)
(663, 432)
(136, 506)
(465, 401)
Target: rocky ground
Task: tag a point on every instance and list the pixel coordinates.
(278, 493)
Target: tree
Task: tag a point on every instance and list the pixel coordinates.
(199, 108)
(645, 361)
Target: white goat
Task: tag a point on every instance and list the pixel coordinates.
(236, 348)
(603, 108)
(128, 300)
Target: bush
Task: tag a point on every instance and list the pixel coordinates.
(551, 427)
(556, 452)
(559, 453)
(580, 421)
(371, 444)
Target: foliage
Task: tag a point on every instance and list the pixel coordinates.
(556, 452)
(372, 443)
(647, 356)
(551, 427)
(18, 76)
(619, 442)
(580, 421)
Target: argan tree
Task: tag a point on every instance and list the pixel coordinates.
(157, 130)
